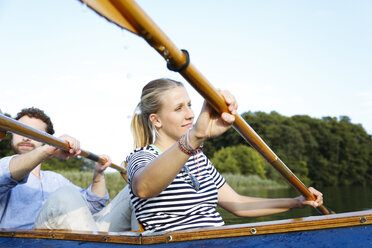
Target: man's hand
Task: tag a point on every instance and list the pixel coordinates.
(74, 148)
(99, 184)
(100, 167)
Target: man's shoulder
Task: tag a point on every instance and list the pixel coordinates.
(7, 158)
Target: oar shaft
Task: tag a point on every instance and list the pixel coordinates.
(146, 28)
(17, 127)
(97, 158)
(201, 85)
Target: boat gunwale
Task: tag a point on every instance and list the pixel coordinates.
(349, 219)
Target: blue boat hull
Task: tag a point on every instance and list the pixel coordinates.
(351, 230)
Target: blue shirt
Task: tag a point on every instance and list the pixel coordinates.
(21, 202)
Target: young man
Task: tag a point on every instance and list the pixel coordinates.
(29, 194)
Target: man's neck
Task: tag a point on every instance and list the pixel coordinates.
(36, 171)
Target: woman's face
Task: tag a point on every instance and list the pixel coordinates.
(175, 116)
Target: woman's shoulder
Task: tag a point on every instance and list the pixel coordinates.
(143, 151)
(148, 148)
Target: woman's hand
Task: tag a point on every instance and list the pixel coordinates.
(210, 123)
(302, 202)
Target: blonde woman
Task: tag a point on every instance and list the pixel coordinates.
(174, 186)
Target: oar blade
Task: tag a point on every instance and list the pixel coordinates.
(107, 10)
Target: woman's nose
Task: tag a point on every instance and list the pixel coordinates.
(189, 114)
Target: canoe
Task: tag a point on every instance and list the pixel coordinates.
(352, 229)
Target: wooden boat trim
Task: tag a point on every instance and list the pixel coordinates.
(250, 229)
(282, 226)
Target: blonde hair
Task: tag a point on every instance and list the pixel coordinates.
(143, 131)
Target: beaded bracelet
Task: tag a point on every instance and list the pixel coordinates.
(184, 145)
(199, 149)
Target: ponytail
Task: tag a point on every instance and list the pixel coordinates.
(144, 133)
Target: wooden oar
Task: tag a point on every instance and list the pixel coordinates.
(14, 126)
(128, 15)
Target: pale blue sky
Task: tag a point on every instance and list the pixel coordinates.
(293, 57)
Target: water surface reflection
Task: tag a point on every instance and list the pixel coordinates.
(339, 199)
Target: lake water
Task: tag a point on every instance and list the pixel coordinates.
(338, 199)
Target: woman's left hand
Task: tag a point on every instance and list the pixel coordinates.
(318, 199)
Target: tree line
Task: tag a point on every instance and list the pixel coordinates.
(323, 152)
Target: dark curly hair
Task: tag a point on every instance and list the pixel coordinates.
(38, 114)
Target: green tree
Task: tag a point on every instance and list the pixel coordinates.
(282, 136)
(326, 151)
(5, 146)
(229, 138)
(239, 159)
(78, 164)
(225, 162)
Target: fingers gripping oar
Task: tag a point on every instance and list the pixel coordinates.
(11, 125)
(127, 14)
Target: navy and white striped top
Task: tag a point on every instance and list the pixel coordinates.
(179, 206)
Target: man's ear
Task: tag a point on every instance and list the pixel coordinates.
(155, 120)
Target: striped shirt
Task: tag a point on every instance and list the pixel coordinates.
(179, 206)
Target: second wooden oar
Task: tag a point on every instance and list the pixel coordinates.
(11, 125)
(129, 15)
